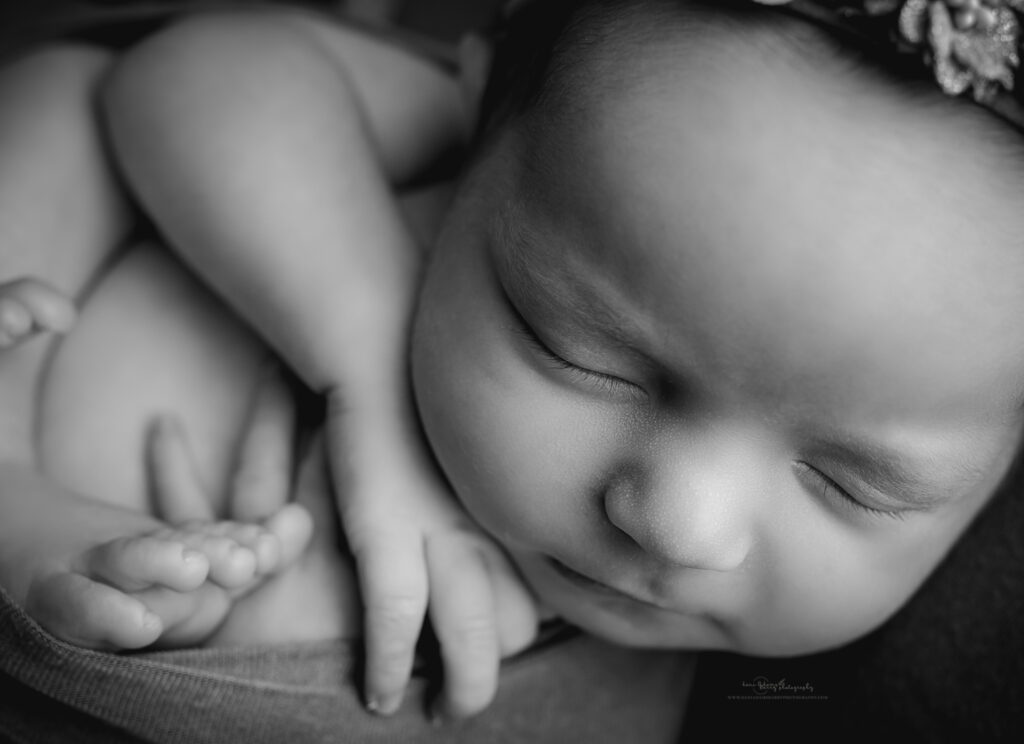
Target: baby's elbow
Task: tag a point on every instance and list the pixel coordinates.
(205, 67)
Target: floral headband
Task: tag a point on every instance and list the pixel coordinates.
(971, 46)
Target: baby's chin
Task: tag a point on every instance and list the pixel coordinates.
(624, 621)
(661, 629)
(640, 630)
(700, 634)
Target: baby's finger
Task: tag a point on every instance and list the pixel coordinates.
(262, 480)
(178, 493)
(514, 606)
(394, 583)
(48, 308)
(462, 614)
(90, 614)
(135, 563)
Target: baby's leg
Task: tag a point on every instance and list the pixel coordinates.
(260, 500)
(62, 212)
(311, 594)
(149, 341)
(166, 585)
(175, 585)
(62, 216)
(313, 598)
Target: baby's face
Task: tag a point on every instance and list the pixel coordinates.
(721, 371)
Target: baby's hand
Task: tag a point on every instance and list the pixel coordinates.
(410, 539)
(29, 307)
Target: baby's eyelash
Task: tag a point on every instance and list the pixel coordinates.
(607, 383)
(834, 492)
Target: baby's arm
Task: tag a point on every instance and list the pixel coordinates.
(266, 147)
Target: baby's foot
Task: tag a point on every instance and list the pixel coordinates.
(234, 554)
(240, 558)
(311, 598)
(170, 586)
(29, 307)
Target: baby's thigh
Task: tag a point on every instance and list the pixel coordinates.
(150, 340)
(61, 211)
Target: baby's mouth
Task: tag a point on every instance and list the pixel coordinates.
(585, 582)
(595, 587)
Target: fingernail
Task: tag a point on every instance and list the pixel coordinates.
(192, 558)
(380, 707)
(387, 706)
(150, 621)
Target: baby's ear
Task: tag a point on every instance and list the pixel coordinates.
(475, 54)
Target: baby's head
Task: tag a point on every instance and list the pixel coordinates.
(722, 336)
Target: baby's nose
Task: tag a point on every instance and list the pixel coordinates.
(694, 508)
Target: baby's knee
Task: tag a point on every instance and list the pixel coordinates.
(47, 103)
(195, 47)
(56, 72)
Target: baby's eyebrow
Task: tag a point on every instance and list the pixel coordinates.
(518, 242)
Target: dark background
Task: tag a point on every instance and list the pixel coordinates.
(442, 18)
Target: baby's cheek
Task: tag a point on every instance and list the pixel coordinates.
(830, 586)
(484, 433)
(532, 470)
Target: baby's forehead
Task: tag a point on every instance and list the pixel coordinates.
(819, 198)
(865, 167)
(636, 48)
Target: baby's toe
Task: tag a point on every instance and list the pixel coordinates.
(15, 322)
(90, 614)
(231, 565)
(189, 618)
(265, 546)
(292, 525)
(135, 563)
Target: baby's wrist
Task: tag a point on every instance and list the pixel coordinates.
(374, 403)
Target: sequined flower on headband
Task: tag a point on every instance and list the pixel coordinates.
(970, 44)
